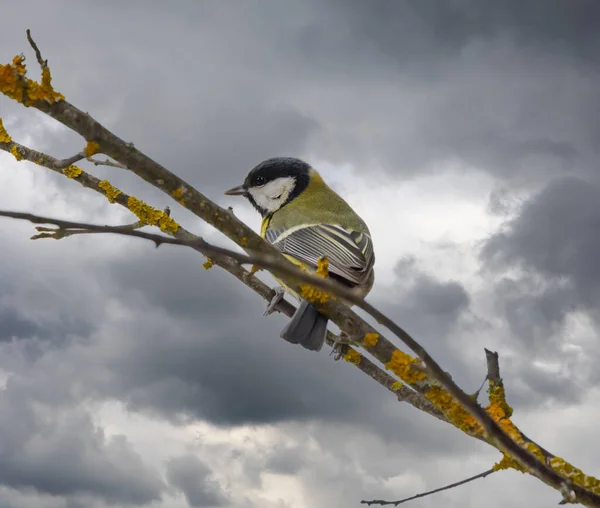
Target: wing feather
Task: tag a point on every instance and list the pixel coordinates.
(350, 253)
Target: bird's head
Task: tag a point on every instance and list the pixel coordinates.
(273, 183)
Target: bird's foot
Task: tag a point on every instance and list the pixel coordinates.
(342, 345)
(277, 297)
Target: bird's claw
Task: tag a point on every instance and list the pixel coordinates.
(277, 297)
(342, 346)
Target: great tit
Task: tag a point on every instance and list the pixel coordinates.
(306, 220)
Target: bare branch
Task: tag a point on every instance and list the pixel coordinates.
(106, 162)
(67, 228)
(62, 164)
(38, 55)
(381, 502)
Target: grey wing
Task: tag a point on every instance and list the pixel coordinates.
(350, 253)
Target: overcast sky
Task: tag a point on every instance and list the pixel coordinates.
(465, 133)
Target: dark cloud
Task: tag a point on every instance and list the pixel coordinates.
(62, 453)
(433, 311)
(555, 236)
(546, 260)
(211, 88)
(406, 85)
(190, 475)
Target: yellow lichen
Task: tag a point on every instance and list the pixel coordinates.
(4, 136)
(209, 264)
(15, 151)
(455, 413)
(19, 64)
(498, 397)
(177, 193)
(562, 467)
(111, 192)
(91, 148)
(15, 84)
(72, 171)
(243, 241)
(574, 474)
(322, 267)
(151, 216)
(508, 462)
(370, 339)
(397, 385)
(403, 366)
(313, 294)
(353, 356)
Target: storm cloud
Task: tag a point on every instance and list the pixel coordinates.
(464, 125)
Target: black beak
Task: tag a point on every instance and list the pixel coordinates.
(237, 191)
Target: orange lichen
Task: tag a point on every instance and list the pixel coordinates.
(15, 84)
(111, 192)
(353, 356)
(370, 339)
(313, 294)
(208, 264)
(243, 241)
(72, 171)
(151, 216)
(496, 412)
(91, 148)
(322, 267)
(15, 151)
(403, 366)
(4, 136)
(254, 269)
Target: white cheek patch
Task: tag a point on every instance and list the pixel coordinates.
(273, 194)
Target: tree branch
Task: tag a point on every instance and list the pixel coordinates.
(424, 494)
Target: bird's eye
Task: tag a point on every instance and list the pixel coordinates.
(260, 181)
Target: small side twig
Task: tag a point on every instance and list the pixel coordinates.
(65, 228)
(381, 502)
(106, 162)
(38, 54)
(63, 163)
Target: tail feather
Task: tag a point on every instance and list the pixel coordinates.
(308, 327)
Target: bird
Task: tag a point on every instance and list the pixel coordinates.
(306, 220)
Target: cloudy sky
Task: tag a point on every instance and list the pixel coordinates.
(466, 134)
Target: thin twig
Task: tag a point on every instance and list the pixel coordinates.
(62, 164)
(106, 162)
(38, 54)
(424, 494)
(67, 228)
